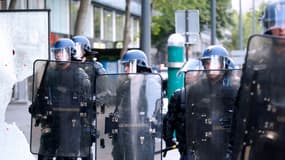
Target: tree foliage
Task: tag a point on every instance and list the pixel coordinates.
(163, 23)
(247, 26)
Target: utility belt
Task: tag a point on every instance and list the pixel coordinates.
(66, 109)
(132, 125)
(80, 110)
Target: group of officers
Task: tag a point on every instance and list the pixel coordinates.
(233, 114)
(62, 107)
(72, 92)
(221, 113)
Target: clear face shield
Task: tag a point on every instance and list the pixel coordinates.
(191, 64)
(274, 17)
(61, 54)
(79, 51)
(213, 64)
(129, 66)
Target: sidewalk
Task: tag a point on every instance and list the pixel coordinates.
(18, 113)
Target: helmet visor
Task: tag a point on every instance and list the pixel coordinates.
(191, 64)
(274, 17)
(213, 65)
(60, 54)
(129, 66)
(79, 51)
(213, 62)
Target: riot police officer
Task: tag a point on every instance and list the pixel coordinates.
(60, 105)
(259, 130)
(83, 48)
(218, 88)
(174, 120)
(135, 137)
(135, 61)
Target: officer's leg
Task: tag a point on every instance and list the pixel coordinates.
(183, 157)
(117, 151)
(188, 156)
(66, 158)
(87, 158)
(265, 149)
(47, 147)
(41, 157)
(148, 148)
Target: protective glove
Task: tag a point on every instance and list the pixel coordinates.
(31, 109)
(93, 135)
(228, 153)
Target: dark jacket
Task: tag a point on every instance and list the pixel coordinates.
(62, 101)
(174, 120)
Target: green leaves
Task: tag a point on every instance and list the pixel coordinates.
(163, 23)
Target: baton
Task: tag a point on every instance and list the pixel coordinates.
(165, 150)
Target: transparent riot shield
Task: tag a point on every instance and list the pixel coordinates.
(62, 109)
(210, 100)
(128, 117)
(260, 124)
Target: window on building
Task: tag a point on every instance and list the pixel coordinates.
(3, 4)
(97, 20)
(36, 4)
(135, 32)
(119, 26)
(74, 7)
(108, 25)
(59, 15)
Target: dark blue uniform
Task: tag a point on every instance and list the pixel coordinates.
(213, 101)
(174, 120)
(62, 101)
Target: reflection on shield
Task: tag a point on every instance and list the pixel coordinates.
(260, 118)
(129, 117)
(62, 109)
(209, 108)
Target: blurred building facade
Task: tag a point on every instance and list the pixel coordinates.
(104, 27)
(105, 21)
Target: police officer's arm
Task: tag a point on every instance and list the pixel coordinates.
(170, 119)
(84, 81)
(99, 68)
(41, 102)
(34, 108)
(240, 112)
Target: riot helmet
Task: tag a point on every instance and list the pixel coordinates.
(63, 50)
(216, 57)
(190, 70)
(273, 16)
(82, 45)
(135, 61)
(191, 64)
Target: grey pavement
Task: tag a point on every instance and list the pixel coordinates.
(18, 113)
